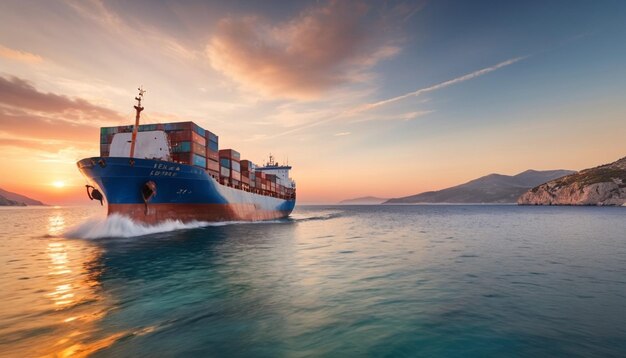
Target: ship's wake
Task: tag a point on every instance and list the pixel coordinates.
(121, 226)
(117, 225)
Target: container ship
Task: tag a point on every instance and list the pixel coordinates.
(176, 171)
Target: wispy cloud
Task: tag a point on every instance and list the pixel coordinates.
(441, 85)
(18, 55)
(351, 112)
(342, 134)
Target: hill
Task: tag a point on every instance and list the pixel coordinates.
(366, 200)
(602, 185)
(493, 188)
(13, 199)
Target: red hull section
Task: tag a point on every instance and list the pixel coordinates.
(153, 213)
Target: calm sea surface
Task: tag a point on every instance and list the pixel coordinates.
(380, 281)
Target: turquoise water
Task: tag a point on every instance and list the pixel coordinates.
(392, 281)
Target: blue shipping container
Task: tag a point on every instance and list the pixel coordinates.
(212, 137)
(198, 129)
(199, 161)
(213, 146)
(182, 147)
(225, 163)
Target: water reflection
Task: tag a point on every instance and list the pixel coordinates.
(51, 292)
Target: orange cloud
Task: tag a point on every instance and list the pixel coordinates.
(18, 55)
(33, 119)
(321, 48)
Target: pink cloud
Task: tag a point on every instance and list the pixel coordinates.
(28, 116)
(18, 93)
(18, 55)
(321, 48)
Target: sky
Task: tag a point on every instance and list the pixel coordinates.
(382, 98)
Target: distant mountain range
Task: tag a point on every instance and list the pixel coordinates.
(8, 198)
(493, 188)
(366, 200)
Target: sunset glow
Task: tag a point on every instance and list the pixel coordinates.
(58, 184)
(362, 98)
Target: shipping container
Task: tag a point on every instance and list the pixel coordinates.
(235, 175)
(199, 161)
(185, 147)
(104, 148)
(225, 163)
(245, 180)
(185, 136)
(190, 158)
(212, 165)
(232, 164)
(177, 126)
(247, 165)
(211, 136)
(212, 154)
(230, 154)
(225, 172)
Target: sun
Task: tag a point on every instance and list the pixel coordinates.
(58, 184)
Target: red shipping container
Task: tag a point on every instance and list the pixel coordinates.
(212, 165)
(245, 180)
(230, 154)
(235, 175)
(186, 136)
(184, 158)
(212, 154)
(247, 165)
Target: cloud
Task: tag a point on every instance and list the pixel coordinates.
(321, 48)
(351, 112)
(19, 94)
(46, 121)
(341, 134)
(441, 85)
(17, 55)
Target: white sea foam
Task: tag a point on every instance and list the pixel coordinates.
(117, 225)
(121, 226)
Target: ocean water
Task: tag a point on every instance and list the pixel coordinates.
(379, 281)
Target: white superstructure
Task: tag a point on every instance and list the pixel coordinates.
(149, 145)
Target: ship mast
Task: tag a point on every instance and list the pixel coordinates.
(138, 108)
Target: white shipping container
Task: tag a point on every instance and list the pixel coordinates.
(225, 172)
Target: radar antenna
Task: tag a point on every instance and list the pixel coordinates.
(138, 109)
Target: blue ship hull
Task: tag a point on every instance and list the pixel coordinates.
(182, 192)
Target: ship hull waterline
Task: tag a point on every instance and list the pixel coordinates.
(183, 192)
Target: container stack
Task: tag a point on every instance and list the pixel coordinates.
(189, 143)
(248, 175)
(230, 167)
(260, 182)
(212, 155)
(271, 178)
